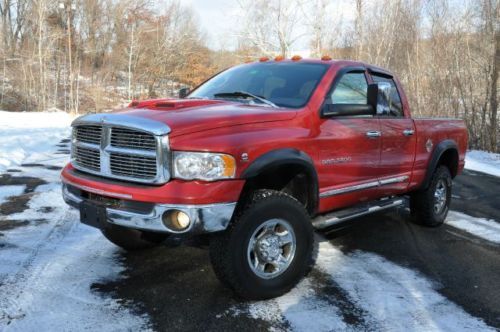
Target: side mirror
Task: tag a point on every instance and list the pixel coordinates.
(379, 97)
(183, 93)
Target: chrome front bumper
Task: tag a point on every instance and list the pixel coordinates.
(204, 218)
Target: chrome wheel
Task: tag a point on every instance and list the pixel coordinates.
(440, 196)
(271, 248)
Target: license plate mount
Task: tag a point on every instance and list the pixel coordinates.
(92, 214)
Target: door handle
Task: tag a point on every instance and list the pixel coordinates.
(408, 132)
(373, 134)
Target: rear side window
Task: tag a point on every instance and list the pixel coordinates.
(396, 107)
(351, 89)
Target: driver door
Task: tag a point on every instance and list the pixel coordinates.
(349, 146)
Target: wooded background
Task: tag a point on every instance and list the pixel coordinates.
(89, 55)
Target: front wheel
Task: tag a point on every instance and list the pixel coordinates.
(267, 249)
(430, 207)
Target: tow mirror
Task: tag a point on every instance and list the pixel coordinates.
(379, 97)
(183, 93)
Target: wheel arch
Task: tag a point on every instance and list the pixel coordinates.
(289, 170)
(445, 153)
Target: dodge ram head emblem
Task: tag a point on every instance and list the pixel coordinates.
(429, 145)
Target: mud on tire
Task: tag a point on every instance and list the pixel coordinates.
(249, 257)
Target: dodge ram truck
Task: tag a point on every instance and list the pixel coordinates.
(258, 158)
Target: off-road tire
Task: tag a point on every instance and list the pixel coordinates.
(132, 239)
(422, 202)
(228, 249)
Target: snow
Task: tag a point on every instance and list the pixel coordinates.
(482, 161)
(8, 191)
(27, 136)
(386, 296)
(49, 261)
(487, 229)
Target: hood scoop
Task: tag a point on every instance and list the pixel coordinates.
(172, 104)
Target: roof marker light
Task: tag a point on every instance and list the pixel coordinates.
(326, 58)
(279, 58)
(296, 58)
(264, 59)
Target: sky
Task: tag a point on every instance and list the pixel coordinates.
(218, 20)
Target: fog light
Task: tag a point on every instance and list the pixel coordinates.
(176, 220)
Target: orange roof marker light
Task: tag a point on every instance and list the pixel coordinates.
(279, 58)
(296, 58)
(326, 58)
(264, 59)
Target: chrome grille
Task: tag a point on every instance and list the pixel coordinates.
(133, 166)
(132, 139)
(89, 134)
(88, 158)
(121, 147)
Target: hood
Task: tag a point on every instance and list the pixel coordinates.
(185, 116)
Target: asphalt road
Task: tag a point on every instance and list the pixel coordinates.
(178, 290)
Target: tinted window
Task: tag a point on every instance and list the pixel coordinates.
(351, 89)
(285, 84)
(396, 107)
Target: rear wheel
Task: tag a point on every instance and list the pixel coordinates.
(430, 207)
(132, 239)
(267, 249)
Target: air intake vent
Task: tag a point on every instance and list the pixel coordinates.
(89, 134)
(133, 166)
(132, 139)
(88, 158)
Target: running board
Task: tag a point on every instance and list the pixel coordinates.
(337, 217)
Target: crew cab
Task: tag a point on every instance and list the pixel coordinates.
(256, 159)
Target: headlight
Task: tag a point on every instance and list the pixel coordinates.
(203, 166)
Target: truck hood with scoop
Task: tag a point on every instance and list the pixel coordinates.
(186, 116)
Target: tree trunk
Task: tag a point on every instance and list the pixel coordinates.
(494, 96)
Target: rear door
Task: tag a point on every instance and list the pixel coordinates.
(349, 146)
(398, 141)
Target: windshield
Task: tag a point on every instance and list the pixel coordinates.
(283, 83)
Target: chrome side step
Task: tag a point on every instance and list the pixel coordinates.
(337, 217)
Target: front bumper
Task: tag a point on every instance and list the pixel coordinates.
(205, 218)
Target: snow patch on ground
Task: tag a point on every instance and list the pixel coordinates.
(29, 136)
(8, 191)
(389, 298)
(482, 161)
(487, 229)
(49, 261)
(302, 309)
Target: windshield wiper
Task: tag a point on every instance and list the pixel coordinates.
(246, 94)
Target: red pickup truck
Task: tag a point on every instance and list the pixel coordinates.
(257, 158)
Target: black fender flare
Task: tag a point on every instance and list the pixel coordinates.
(438, 152)
(286, 157)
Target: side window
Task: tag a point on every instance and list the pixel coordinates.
(396, 107)
(351, 89)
